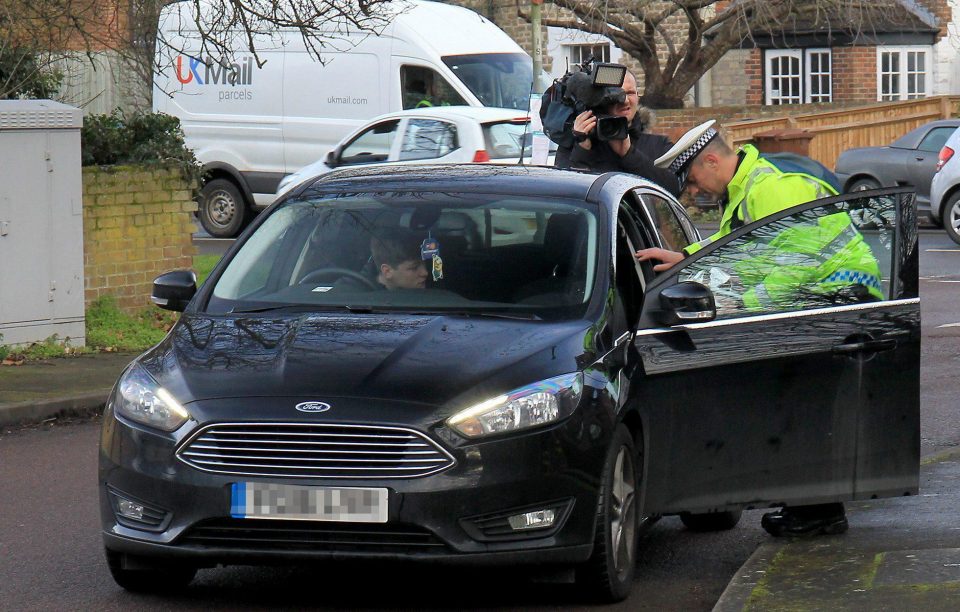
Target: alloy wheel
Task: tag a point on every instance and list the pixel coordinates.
(622, 512)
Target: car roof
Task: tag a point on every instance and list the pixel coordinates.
(478, 178)
(912, 139)
(481, 114)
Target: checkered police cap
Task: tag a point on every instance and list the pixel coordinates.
(688, 146)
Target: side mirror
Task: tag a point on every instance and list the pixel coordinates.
(174, 290)
(331, 159)
(687, 302)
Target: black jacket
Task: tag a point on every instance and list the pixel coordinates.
(644, 149)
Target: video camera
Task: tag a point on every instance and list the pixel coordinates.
(591, 86)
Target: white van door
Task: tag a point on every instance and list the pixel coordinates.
(323, 102)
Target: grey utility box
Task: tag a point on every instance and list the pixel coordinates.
(41, 223)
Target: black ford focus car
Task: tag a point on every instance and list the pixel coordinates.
(466, 364)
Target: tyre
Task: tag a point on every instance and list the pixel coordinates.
(608, 575)
(222, 209)
(147, 579)
(950, 215)
(711, 521)
(863, 184)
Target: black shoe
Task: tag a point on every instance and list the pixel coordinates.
(798, 521)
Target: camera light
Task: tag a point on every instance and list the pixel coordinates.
(609, 75)
(533, 520)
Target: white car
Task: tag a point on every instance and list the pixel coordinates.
(434, 135)
(945, 188)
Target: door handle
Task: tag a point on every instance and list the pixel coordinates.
(865, 346)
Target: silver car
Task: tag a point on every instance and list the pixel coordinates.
(945, 188)
(908, 160)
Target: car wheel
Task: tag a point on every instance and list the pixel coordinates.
(222, 210)
(608, 575)
(711, 521)
(147, 579)
(951, 217)
(864, 184)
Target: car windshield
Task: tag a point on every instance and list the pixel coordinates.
(470, 254)
(497, 79)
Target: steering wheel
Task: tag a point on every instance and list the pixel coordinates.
(335, 273)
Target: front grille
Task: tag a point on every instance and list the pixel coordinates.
(313, 450)
(267, 535)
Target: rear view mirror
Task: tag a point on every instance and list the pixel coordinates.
(174, 290)
(687, 302)
(331, 159)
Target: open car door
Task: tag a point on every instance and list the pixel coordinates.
(772, 374)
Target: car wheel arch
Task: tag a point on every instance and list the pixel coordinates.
(945, 200)
(860, 177)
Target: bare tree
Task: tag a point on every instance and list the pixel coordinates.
(49, 30)
(677, 41)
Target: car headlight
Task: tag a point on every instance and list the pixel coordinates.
(140, 398)
(530, 406)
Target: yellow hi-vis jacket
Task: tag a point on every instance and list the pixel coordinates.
(809, 259)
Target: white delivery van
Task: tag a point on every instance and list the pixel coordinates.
(251, 126)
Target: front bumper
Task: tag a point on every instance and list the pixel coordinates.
(436, 518)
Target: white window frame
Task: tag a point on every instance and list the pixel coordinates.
(579, 48)
(903, 73)
(770, 55)
(808, 76)
(804, 96)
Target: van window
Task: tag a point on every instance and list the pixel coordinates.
(421, 86)
(497, 79)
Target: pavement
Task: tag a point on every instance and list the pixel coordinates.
(899, 554)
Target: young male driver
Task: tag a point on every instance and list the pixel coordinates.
(399, 263)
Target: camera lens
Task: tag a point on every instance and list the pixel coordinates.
(611, 128)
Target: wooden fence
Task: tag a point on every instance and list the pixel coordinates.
(866, 126)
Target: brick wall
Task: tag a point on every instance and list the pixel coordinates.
(855, 74)
(729, 81)
(137, 224)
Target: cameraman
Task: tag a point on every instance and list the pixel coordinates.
(634, 154)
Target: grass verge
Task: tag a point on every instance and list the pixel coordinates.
(109, 329)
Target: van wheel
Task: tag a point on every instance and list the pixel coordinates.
(608, 574)
(222, 210)
(951, 217)
(711, 521)
(158, 579)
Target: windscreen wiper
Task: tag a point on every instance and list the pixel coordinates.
(288, 308)
(483, 314)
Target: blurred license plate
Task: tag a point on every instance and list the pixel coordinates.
(281, 501)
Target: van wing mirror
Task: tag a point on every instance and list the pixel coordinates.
(687, 302)
(174, 290)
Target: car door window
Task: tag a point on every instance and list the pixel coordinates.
(838, 253)
(372, 145)
(935, 139)
(428, 139)
(673, 235)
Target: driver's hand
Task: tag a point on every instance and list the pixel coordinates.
(584, 124)
(669, 258)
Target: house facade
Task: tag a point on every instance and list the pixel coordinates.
(903, 49)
